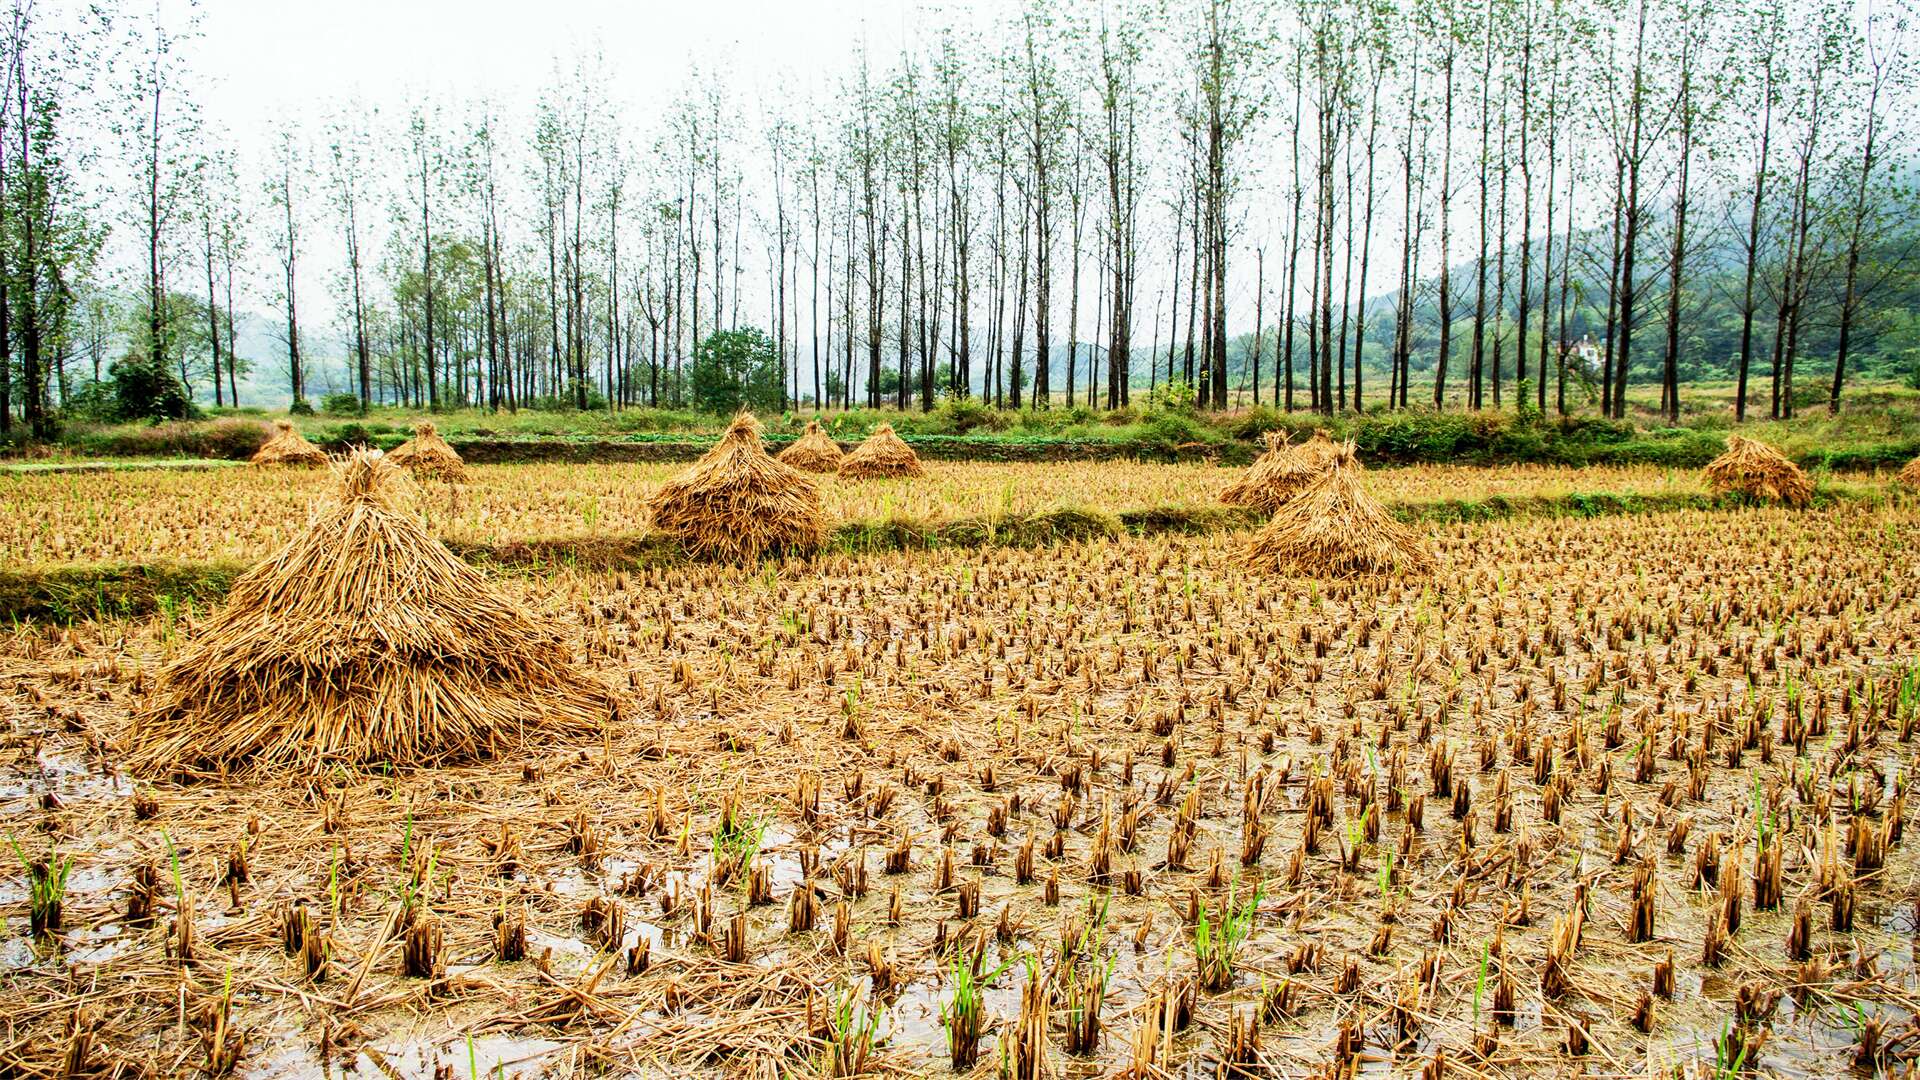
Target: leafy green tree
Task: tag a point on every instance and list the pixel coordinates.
(147, 390)
(732, 368)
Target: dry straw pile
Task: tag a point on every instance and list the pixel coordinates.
(427, 454)
(365, 641)
(1278, 475)
(1334, 528)
(883, 454)
(288, 447)
(737, 503)
(1752, 468)
(814, 451)
(1910, 475)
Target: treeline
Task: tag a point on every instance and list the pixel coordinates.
(1427, 202)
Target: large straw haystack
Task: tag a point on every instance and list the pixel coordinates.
(882, 454)
(364, 641)
(288, 447)
(1910, 475)
(1274, 477)
(427, 454)
(737, 503)
(1752, 468)
(1334, 528)
(814, 451)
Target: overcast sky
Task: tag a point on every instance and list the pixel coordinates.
(264, 58)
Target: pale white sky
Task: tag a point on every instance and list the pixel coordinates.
(263, 58)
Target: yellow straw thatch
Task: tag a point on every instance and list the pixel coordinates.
(1910, 475)
(288, 447)
(1752, 468)
(1335, 528)
(882, 454)
(737, 503)
(364, 641)
(427, 454)
(814, 451)
(1275, 476)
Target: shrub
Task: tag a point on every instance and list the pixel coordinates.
(145, 390)
(93, 400)
(360, 433)
(958, 416)
(1168, 431)
(340, 403)
(1175, 396)
(229, 438)
(1251, 424)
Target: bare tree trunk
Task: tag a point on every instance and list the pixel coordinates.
(1880, 63)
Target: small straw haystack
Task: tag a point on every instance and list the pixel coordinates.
(364, 641)
(1910, 474)
(1274, 477)
(1318, 450)
(882, 454)
(737, 503)
(1334, 528)
(427, 454)
(1752, 468)
(814, 451)
(288, 447)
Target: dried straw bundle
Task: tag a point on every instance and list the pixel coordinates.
(427, 454)
(1335, 528)
(364, 641)
(737, 503)
(288, 447)
(882, 454)
(1318, 450)
(1750, 467)
(813, 451)
(1910, 474)
(1275, 476)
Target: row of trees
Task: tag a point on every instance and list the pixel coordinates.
(1492, 202)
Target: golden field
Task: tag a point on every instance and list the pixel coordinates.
(244, 513)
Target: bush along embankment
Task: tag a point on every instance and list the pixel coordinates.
(65, 594)
(966, 431)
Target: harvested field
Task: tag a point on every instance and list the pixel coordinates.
(245, 514)
(1105, 808)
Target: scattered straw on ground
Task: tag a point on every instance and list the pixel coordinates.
(1752, 468)
(1275, 476)
(427, 454)
(882, 454)
(1335, 528)
(364, 641)
(814, 451)
(288, 447)
(737, 503)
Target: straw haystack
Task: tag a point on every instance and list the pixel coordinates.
(1910, 475)
(814, 451)
(1318, 450)
(288, 447)
(1334, 528)
(364, 641)
(1274, 477)
(737, 503)
(882, 454)
(1752, 468)
(427, 454)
